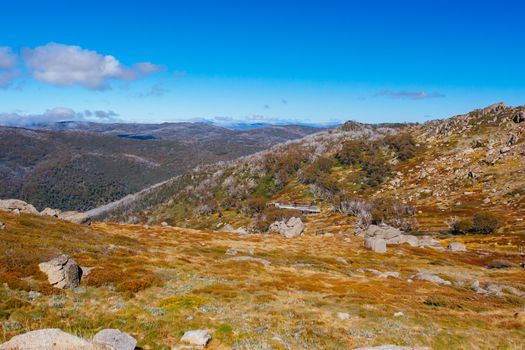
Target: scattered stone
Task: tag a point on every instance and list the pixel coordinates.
(343, 315)
(75, 217)
(155, 311)
(377, 245)
(456, 247)
(250, 258)
(423, 276)
(50, 338)
(33, 295)
(501, 264)
(17, 206)
(428, 242)
(386, 274)
(289, 229)
(51, 212)
(493, 289)
(240, 231)
(341, 260)
(2, 226)
(10, 326)
(228, 228)
(504, 150)
(132, 220)
(164, 224)
(62, 272)
(235, 251)
(115, 339)
(199, 337)
(399, 314)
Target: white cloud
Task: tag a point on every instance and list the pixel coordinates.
(66, 65)
(8, 62)
(56, 115)
(8, 58)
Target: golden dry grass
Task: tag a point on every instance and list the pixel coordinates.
(292, 303)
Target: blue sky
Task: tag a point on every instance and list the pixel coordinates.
(311, 61)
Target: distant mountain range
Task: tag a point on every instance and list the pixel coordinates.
(76, 165)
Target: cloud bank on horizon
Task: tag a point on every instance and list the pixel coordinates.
(56, 115)
(69, 65)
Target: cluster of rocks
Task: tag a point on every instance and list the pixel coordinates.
(493, 289)
(377, 237)
(290, 228)
(17, 206)
(106, 339)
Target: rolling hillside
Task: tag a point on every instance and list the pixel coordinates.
(78, 166)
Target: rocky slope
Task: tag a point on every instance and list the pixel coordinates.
(417, 177)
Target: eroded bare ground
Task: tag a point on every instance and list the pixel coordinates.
(155, 283)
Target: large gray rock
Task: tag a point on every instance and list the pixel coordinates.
(199, 337)
(382, 231)
(377, 245)
(423, 276)
(75, 217)
(17, 206)
(289, 229)
(391, 235)
(456, 247)
(115, 339)
(47, 339)
(62, 272)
